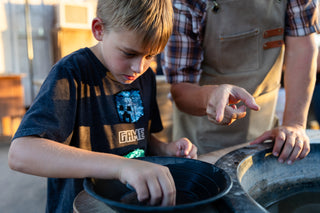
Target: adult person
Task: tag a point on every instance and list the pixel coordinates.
(216, 43)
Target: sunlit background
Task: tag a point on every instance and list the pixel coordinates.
(34, 34)
(42, 31)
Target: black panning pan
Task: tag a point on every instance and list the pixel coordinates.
(198, 184)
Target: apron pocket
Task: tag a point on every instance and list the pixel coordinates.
(237, 52)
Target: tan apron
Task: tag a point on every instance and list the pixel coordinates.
(243, 46)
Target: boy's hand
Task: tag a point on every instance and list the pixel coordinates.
(153, 183)
(221, 108)
(183, 148)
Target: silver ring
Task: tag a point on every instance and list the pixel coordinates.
(299, 141)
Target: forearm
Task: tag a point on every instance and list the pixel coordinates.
(157, 147)
(42, 157)
(299, 78)
(192, 98)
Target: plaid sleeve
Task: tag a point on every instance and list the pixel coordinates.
(302, 17)
(182, 57)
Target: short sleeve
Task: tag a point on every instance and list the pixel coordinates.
(52, 113)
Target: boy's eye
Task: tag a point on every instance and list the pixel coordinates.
(129, 54)
(132, 55)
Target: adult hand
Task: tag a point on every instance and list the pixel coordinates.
(182, 148)
(221, 108)
(290, 143)
(153, 182)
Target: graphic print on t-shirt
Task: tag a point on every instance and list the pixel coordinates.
(129, 106)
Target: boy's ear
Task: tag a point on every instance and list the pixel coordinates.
(97, 28)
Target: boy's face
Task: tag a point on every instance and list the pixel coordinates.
(122, 54)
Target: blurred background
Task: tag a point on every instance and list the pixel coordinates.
(34, 34)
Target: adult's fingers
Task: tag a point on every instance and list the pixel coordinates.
(290, 143)
(280, 139)
(296, 151)
(265, 136)
(295, 145)
(241, 112)
(287, 147)
(220, 105)
(241, 94)
(220, 108)
(231, 114)
(306, 149)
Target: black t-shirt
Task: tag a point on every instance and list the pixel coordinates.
(80, 104)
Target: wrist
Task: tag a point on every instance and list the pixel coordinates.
(294, 124)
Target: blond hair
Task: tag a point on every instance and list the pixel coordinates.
(151, 19)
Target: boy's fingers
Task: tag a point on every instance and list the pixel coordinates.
(193, 153)
(186, 149)
(155, 190)
(168, 190)
(142, 192)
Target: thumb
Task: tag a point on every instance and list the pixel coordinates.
(261, 138)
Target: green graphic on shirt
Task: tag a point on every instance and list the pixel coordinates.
(135, 154)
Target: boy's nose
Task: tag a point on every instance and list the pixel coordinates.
(137, 65)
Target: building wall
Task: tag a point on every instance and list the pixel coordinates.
(48, 47)
(13, 42)
(23, 69)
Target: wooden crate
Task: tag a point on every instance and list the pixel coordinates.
(11, 103)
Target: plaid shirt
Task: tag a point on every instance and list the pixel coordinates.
(182, 57)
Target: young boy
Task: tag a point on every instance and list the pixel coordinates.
(98, 105)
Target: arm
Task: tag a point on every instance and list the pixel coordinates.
(48, 158)
(186, 43)
(191, 98)
(215, 101)
(299, 80)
